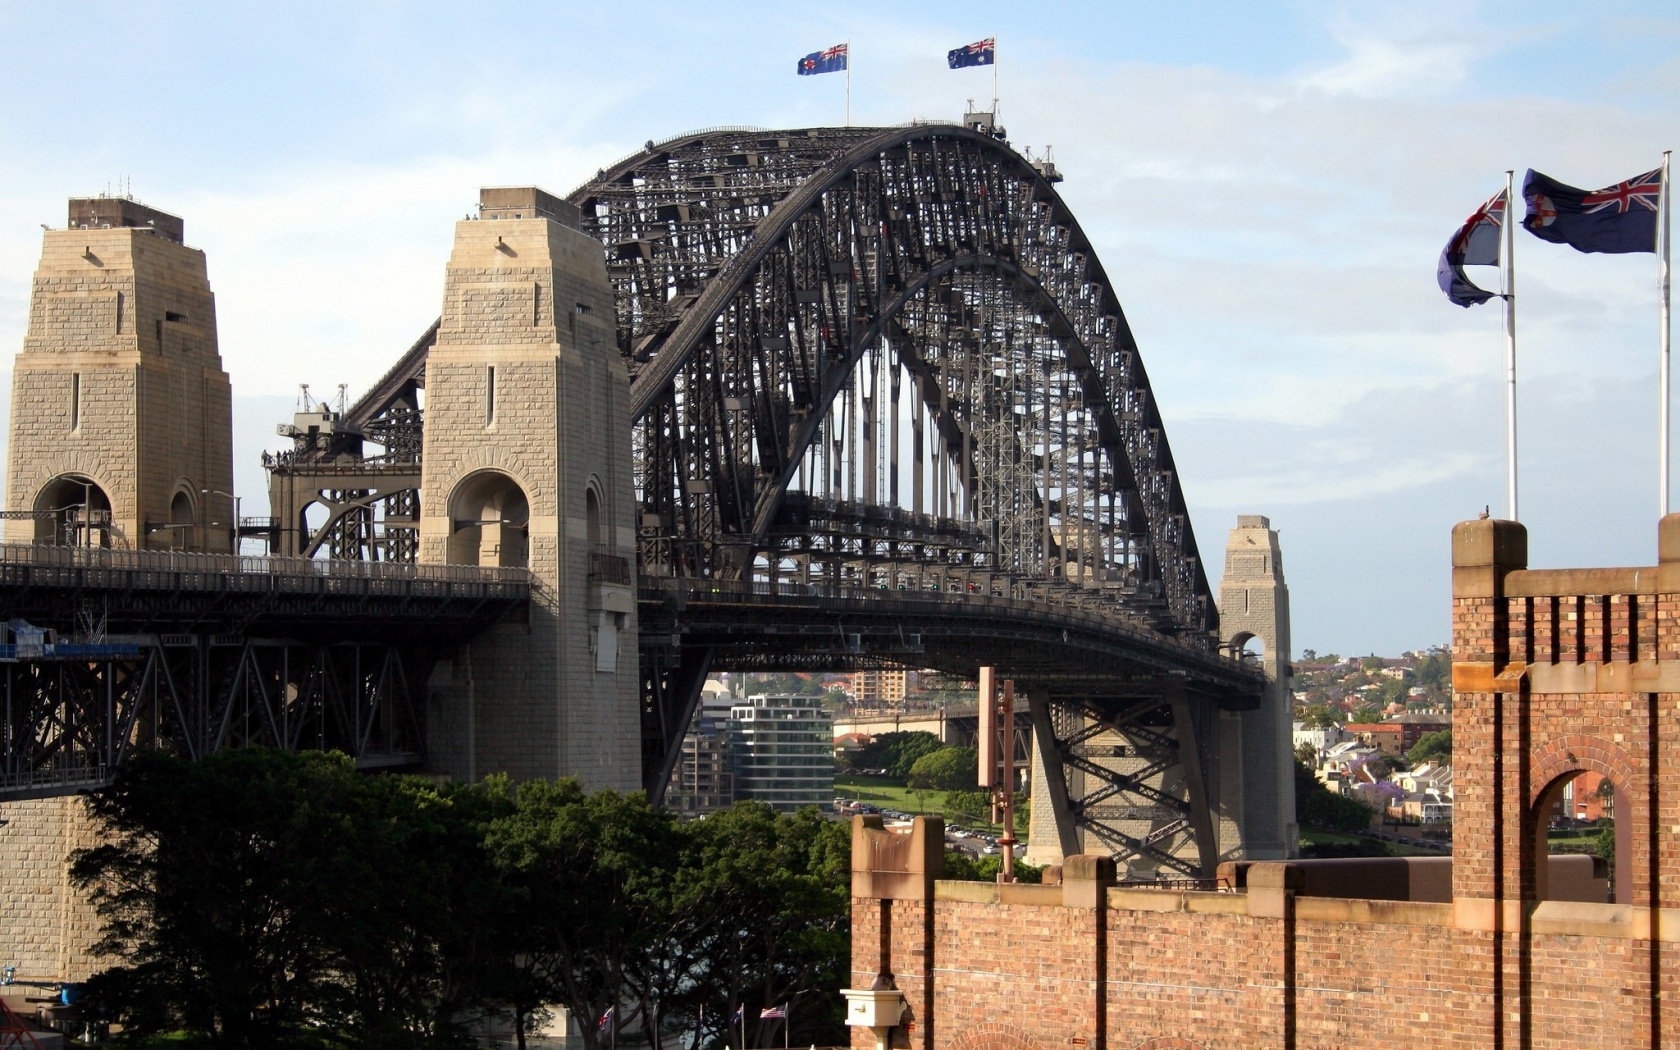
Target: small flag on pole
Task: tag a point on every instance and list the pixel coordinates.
(831, 60)
(1617, 219)
(606, 1017)
(1475, 244)
(773, 1013)
(979, 53)
(735, 1018)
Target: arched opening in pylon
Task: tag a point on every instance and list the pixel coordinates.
(73, 511)
(489, 522)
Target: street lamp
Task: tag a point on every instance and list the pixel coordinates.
(236, 500)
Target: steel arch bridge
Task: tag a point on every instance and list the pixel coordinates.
(874, 368)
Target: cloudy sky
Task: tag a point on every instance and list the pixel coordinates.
(1268, 185)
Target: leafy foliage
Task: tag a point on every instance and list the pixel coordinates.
(266, 899)
(963, 868)
(896, 752)
(1317, 807)
(263, 899)
(1436, 745)
(948, 769)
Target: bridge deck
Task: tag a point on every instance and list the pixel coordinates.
(160, 591)
(1074, 650)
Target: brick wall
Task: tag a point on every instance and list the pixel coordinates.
(1556, 673)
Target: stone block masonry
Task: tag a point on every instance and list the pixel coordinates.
(119, 397)
(1556, 672)
(526, 462)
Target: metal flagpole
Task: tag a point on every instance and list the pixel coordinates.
(994, 83)
(1662, 340)
(1510, 351)
(848, 83)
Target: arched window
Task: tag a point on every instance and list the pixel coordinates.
(592, 516)
(490, 521)
(179, 533)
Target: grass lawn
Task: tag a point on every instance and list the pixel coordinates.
(1311, 835)
(891, 794)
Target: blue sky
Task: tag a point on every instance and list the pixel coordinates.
(1268, 186)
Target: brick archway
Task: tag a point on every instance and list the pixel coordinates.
(1578, 753)
(1554, 763)
(994, 1035)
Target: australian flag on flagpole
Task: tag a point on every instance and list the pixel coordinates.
(1617, 219)
(831, 60)
(1476, 244)
(979, 53)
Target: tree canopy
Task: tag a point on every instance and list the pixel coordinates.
(1436, 745)
(1316, 806)
(948, 769)
(896, 752)
(264, 899)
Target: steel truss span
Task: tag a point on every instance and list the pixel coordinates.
(872, 361)
(74, 713)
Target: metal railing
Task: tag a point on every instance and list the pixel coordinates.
(609, 568)
(1073, 617)
(168, 567)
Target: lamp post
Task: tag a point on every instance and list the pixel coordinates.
(236, 501)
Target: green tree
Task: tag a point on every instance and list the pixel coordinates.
(1604, 844)
(592, 873)
(897, 752)
(1318, 716)
(1317, 807)
(963, 868)
(762, 917)
(948, 769)
(1436, 745)
(263, 899)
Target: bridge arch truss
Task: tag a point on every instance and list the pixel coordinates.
(825, 324)
(889, 359)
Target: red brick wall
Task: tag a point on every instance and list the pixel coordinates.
(1555, 673)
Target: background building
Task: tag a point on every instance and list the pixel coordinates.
(782, 752)
(702, 781)
(880, 688)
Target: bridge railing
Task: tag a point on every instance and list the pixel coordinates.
(192, 570)
(1199, 650)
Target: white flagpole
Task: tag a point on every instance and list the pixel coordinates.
(1510, 350)
(848, 83)
(1662, 339)
(995, 116)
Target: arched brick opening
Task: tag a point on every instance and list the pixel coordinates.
(1554, 766)
(994, 1035)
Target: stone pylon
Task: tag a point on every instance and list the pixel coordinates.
(1257, 772)
(121, 431)
(527, 464)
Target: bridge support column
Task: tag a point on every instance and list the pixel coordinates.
(1254, 607)
(1051, 835)
(121, 431)
(527, 464)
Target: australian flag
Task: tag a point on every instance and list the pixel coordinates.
(1617, 219)
(979, 53)
(1476, 244)
(832, 60)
